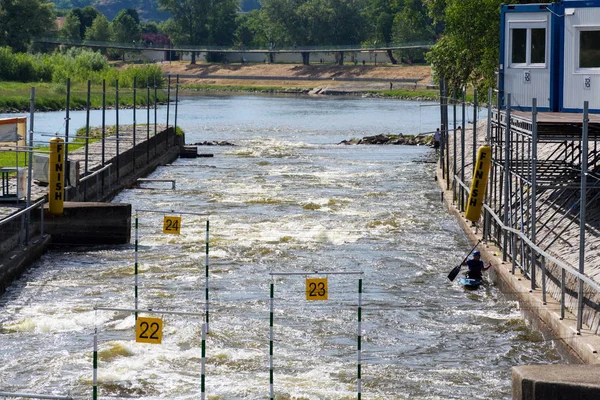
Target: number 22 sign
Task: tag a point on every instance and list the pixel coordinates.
(316, 289)
(148, 330)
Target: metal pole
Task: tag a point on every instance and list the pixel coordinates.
(117, 129)
(582, 209)
(489, 118)
(67, 119)
(359, 339)
(155, 127)
(147, 121)
(30, 162)
(447, 152)
(203, 365)
(95, 366)
(206, 290)
(474, 127)
(534, 155)
(135, 271)
(506, 175)
(134, 119)
(271, 307)
(87, 127)
(34, 396)
(454, 140)
(168, 100)
(176, 101)
(103, 122)
(87, 139)
(462, 150)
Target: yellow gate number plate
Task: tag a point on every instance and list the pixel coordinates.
(316, 289)
(148, 330)
(172, 225)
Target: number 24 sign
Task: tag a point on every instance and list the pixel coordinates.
(316, 289)
(172, 225)
(148, 330)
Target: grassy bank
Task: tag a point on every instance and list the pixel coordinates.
(15, 96)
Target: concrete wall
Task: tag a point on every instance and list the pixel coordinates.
(109, 225)
(548, 382)
(134, 163)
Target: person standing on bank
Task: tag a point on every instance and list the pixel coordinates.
(436, 139)
(476, 266)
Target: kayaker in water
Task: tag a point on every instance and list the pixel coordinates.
(476, 266)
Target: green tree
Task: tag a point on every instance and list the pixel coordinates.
(380, 16)
(468, 51)
(100, 31)
(200, 22)
(125, 28)
(71, 28)
(22, 20)
(315, 22)
(412, 24)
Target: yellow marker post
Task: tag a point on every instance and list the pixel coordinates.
(479, 183)
(316, 289)
(172, 225)
(56, 176)
(148, 330)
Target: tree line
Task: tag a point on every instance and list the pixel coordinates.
(466, 31)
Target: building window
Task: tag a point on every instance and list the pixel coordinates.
(528, 46)
(538, 46)
(519, 46)
(589, 49)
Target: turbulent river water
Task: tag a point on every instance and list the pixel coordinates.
(285, 198)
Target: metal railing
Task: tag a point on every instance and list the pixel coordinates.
(99, 184)
(25, 215)
(34, 396)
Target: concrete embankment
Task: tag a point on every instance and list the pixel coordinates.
(538, 382)
(84, 222)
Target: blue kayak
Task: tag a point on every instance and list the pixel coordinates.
(470, 283)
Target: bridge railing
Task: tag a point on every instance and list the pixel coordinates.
(236, 48)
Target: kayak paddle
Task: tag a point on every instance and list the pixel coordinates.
(456, 269)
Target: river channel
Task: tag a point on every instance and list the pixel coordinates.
(286, 198)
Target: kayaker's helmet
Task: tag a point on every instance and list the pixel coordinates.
(477, 253)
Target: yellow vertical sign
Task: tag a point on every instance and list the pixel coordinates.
(172, 225)
(148, 330)
(56, 176)
(316, 289)
(479, 183)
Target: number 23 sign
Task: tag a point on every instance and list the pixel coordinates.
(316, 289)
(148, 330)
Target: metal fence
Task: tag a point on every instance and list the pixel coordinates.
(542, 201)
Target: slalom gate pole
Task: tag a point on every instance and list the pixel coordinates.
(135, 273)
(95, 361)
(271, 306)
(206, 289)
(203, 371)
(359, 339)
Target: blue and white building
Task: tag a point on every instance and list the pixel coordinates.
(551, 52)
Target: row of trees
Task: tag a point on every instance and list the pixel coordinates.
(466, 53)
(279, 23)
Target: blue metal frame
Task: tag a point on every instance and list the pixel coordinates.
(525, 8)
(559, 8)
(556, 59)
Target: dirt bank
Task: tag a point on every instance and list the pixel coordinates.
(295, 75)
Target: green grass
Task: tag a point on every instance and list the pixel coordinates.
(15, 96)
(410, 94)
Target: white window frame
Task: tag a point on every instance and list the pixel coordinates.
(577, 48)
(528, 25)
